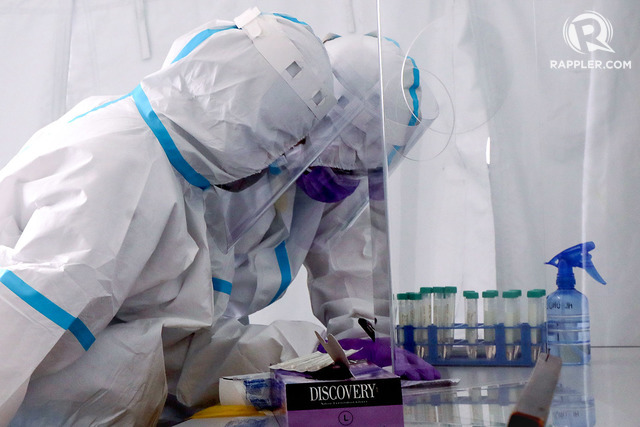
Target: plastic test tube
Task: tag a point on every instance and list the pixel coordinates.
(537, 306)
(518, 331)
(424, 320)
(414, 310)
(471, 319)
(403, 315)
(511, 320)
(450, 319)
(490, 308)
(439, 315)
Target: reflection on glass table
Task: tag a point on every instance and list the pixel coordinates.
(573, 402)
(489, 405)
(603, 393)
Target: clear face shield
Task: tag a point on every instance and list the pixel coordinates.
(344, 155)
(357, 157)
(237, 206)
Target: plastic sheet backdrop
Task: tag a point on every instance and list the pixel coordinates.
(543, 152)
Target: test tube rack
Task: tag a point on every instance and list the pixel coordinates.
(431, 350)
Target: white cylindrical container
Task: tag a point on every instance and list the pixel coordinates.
(471, 320)
(511, 301)
(450, 318)
(403, 315)
(490, 311)
(414, 312)
(426, 302)
(439, 316)
(536, 304)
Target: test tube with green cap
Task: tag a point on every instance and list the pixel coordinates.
(490, 312)
(471, 319)
(426, 294)
(511, 300)
(450, 304)
(414, 310)
(518, 330)
(536, 310)
(439, 315)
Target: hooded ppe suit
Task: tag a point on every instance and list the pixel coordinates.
(104, 249)
(301, 230)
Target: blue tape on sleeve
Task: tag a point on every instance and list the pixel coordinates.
(221, 286)
(48, 308)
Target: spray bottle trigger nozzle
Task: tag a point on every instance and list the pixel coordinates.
(577, 256)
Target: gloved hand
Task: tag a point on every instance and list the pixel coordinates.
(408, 365)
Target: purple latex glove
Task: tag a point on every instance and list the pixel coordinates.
(408, 365)
(324, 185)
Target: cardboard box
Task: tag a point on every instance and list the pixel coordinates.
(373, 397)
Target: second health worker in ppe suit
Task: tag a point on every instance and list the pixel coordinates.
(105, 257)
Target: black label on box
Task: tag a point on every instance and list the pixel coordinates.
(344, 394)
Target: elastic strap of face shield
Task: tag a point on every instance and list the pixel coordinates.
(287, 60)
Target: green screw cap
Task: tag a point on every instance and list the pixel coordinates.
(470, 294)
(536, 293)
(490, 294)
(511, 294)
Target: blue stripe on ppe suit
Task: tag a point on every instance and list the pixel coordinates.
(282, 256)
(169, 147)
(285, 270)
(197, 39)
(48, 308)
(223, 286)
(155, 124)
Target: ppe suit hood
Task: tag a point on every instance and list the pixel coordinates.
(230, 104)
(409, 107)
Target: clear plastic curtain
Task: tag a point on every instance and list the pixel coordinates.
(440, 199)
(552, 88)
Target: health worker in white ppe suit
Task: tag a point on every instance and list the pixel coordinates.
(106, 264)
(305, 227)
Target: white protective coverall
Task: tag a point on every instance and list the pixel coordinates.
(300, 231)
(106, 264)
